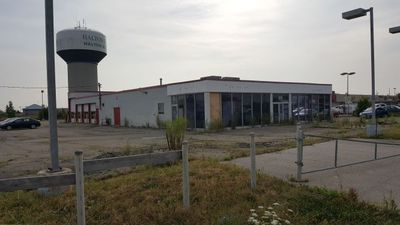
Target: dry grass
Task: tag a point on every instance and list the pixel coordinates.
(220, 194)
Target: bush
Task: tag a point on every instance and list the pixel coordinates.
(43, 114)
(362, 105)
(175, 132)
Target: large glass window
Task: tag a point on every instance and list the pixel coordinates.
(266, 109)
(281, 97)
(200, 121)
(256, 109)
(181, 106)
(191, 107)
(226, 109)
(295, 106)
(237, 109)
(247, 109)
(327, 99)
(190, 113)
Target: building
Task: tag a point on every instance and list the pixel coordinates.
(227, 100)
(338, 99)
(32, 109)
(231, 101)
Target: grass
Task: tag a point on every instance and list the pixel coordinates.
(220, 195)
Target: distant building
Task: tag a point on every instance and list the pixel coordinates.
(32, 109)
(231, 101)
(338, 99)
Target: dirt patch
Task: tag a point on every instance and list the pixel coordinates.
(27, 151)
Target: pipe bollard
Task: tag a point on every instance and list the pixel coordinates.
(253, 169)
(80, 189)
(299, 162)
(185, 174)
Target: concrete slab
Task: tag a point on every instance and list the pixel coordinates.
(374, 181)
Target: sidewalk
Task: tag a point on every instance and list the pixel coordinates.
(373, 181)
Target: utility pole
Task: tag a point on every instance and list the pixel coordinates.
(99, 95)
(51, 85)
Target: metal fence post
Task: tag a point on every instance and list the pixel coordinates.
(80, 192)
(376, 151)
(336, 151)
(253, 171)
(185, 164)
(299, 162)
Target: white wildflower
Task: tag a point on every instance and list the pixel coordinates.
(261, 207)
(275, 204)
(287, 221)
(274, 222)
(289, 210)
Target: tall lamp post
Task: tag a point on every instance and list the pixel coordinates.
(51, 85)
(349, 15)
(347, 93)
(394, 30)
(42, 91)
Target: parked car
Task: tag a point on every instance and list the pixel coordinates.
(381, 105)
(393, 109)
(379, 112)
(18, 122)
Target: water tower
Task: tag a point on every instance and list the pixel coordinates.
(82, 49)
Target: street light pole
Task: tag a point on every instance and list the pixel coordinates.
(394, 30)
(359, 13)
(42, 98)
(347, 93)
(371, 19)
(51, 85)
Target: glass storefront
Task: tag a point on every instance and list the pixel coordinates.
(191, 107)
(247, 109)
(307, 107)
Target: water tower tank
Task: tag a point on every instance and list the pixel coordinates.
(82, 49)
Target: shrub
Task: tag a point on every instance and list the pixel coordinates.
(43, 114)
(362, 105)
(175, 132)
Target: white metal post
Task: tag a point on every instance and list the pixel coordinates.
(185, 164)
(253, 162)
(300, 138)
(80, 189)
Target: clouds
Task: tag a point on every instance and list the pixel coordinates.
(282, 40)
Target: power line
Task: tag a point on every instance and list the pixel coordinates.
(38, 87)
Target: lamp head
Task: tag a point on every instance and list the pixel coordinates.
(394, 30)
(355, 13)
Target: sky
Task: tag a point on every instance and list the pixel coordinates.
(272, 40)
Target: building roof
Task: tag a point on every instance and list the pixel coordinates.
(213, 78)
(33, 107)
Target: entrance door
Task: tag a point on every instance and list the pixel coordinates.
(281, 112)
(117, 117)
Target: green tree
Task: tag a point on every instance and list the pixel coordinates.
(363, 104)
(43, 114)
(10, 111)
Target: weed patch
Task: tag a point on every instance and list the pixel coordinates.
(220, 194)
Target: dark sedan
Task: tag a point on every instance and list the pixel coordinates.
(13, 123)
(379, 112)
